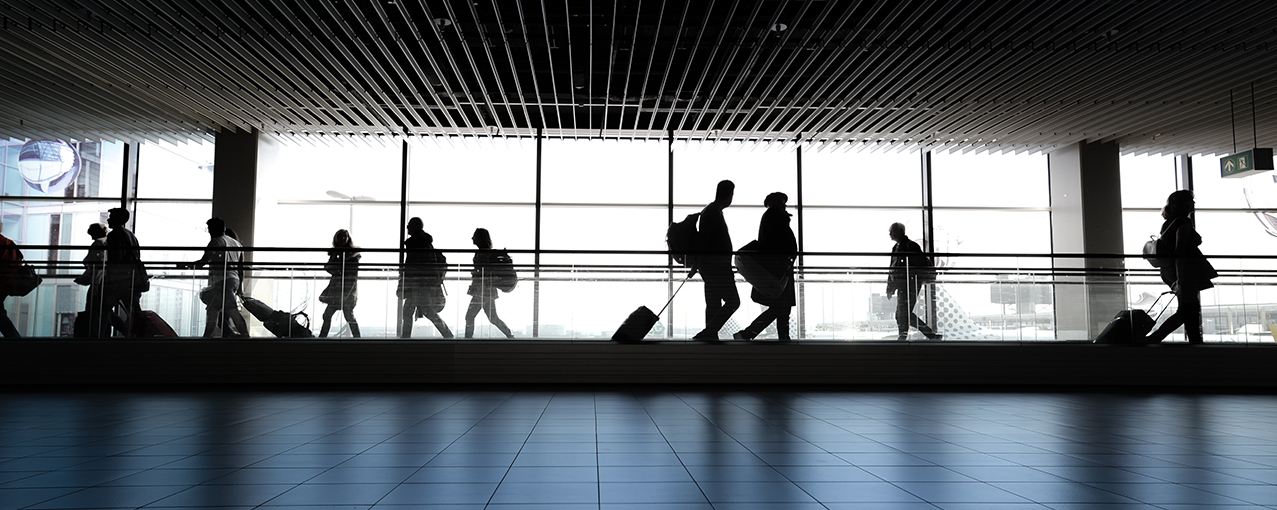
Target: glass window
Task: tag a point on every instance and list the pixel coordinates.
(604, 172)
(468, 170)
(166, 170)
(1147, 180)
(756, 172)
(835, 177)
(54, 168)
(304, 172)
(990, 180)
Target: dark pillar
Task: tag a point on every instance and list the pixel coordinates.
(236, 159)
(1086, 219)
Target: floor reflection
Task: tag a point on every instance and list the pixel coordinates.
(614, 447)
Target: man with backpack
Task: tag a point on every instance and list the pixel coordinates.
(421, 280)
(910, 270)
(714, 261)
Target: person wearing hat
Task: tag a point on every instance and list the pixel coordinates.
(775, 238)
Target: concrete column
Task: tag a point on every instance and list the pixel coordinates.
(236, 160)
(1086, 219)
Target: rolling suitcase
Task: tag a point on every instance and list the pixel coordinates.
(148, 324)
(640, 322)
(1132, 326)
(280, 323)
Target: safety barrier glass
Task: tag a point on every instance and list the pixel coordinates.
(585, 296)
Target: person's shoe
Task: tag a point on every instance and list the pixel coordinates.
(935, 336)
(743, 335)
(705, 335)
(903, 337)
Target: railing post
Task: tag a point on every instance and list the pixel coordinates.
(403, 222)
(669, 259)
(536, 254)
(801, 322)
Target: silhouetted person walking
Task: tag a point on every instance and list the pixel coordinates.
(778, 244)
(126, 277)
(714, 261)
(909, 272)
(237, 318)
(421, 280)
(343, 286)
(10, 263)
(94, 275)
(1184, 269)
(482, 291)
(223, 255)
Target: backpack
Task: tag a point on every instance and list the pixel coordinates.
(438, 265)
(502, 273)
(923, 264)
(681, 239)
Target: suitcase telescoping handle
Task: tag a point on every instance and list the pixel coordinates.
(680, 287)
(1164, 308)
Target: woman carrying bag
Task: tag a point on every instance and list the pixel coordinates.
(342, 291)
(1184, 269)
(777, 243)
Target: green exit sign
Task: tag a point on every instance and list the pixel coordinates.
(1246, 163)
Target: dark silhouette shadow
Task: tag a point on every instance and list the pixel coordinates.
(93, 322)
(343, 286)
(1183, 267)
(237, 319)
(10, 264)
(714, 262)
(126, 277)
(777, 249)
(483, 284)
(421, 280)
(224, 257)
(911, 269)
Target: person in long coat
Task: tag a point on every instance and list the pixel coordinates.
(780, 248)
(343, 286)
(1185, 270)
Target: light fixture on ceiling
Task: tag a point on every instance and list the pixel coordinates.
(779, 27)
(443, 22)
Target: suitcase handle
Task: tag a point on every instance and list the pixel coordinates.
(1164, 308)
(680, 287)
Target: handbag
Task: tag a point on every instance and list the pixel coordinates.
(24, 281)
(1150, 251)
(1150, 248)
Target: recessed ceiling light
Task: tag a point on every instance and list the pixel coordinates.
(443, 22)
(780, 27)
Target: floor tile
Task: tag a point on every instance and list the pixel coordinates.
(546, 493)
(458, 474)
(959, 492)
(1062, 492)
(360, 475)
(551, 474)
(224, 495)
(858, 492)
(826, 474)
(1166, 493)
(646, 492)
(440, 493)
(313, 495)
(756, 492)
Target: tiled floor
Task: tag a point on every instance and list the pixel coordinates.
(637, 448)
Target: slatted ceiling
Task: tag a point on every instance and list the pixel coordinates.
(965, 75)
